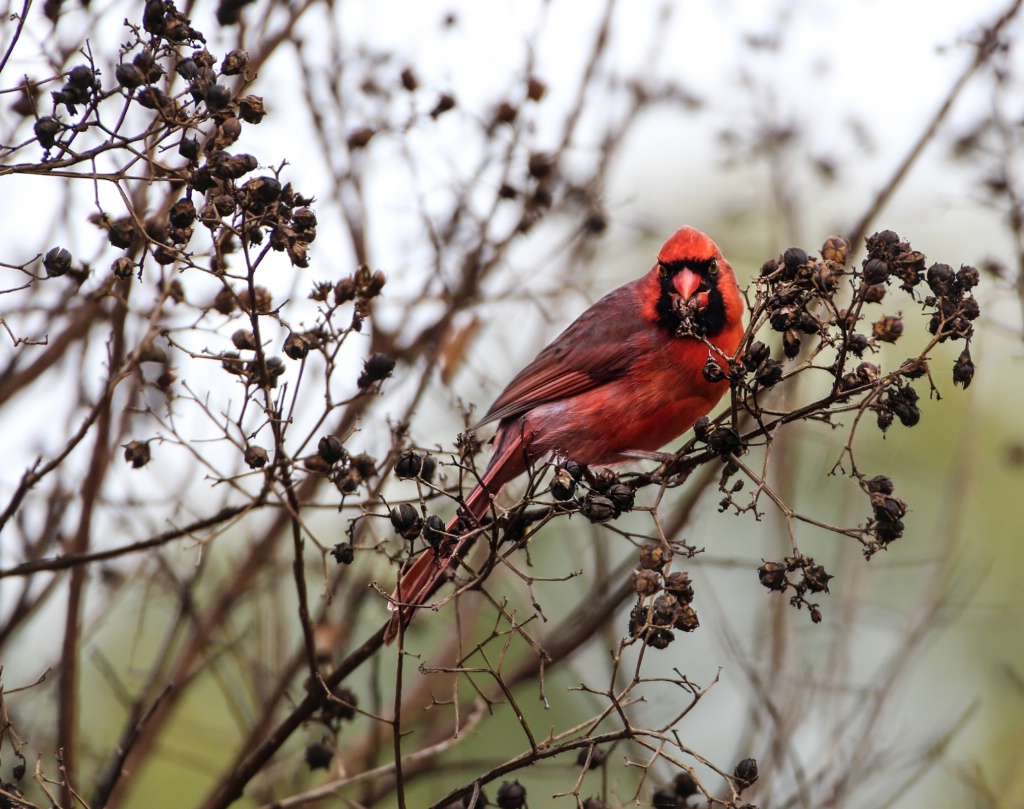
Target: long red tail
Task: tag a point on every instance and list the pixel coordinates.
(419, 581)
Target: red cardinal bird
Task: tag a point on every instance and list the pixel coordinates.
(624, 379)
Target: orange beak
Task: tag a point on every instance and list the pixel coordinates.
(686, 282)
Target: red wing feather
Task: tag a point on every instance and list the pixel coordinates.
(599, 346)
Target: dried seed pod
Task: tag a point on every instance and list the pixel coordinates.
(46, 131)
(713, 371)
(264, 300)
(963, 369)
(888, 329)
(563, 485)
(816, 578)
(874, 293)
(229, 130)
(858, 343)
(725, 441)
(137, 453)
(602, 479)
(665, 798)
(187, 69)
(794, 257)
(914, 367)
(373, 286)
(880, 483)
(574, 469)
(164, 254)
(57, 262)
(824, 279)
(365, 464)
(123, 267)
(659, 638)
(680, 586)
(685, 618)
(234, 63)
(255, 456)
(835, 249)
(791, 343)
(408, 465)
(434, 531)
(970, 308)
(967, 277)
(654, 556)
(330, 448)
(244, 340)
(296, 346)
(129, 76)
(773, 576)
(224, 302)
(406, 521)
(887, 507)
(251, 109)
(702, 428)
(511, 795)
(217, 97)
(884, 419)
(189, 149)
(319, 756)
(304, 219)
(598, 509)
(344, 291)
(153, 98)
(428, 468)
(875, 272)
(343, 553)
(342, 706)
(940, 278)
(782, 318)
(886, 532)
(597, 757)
(755, 354)
(121, 233)
(377, 368)
(646, 582)
(231, 363)
(182, 213)
(867, 372)
(745, 773)
(622, 496)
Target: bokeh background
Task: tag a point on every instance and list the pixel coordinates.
(767, 125)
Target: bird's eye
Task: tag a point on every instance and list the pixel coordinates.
(662, 270)
(713, 266)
